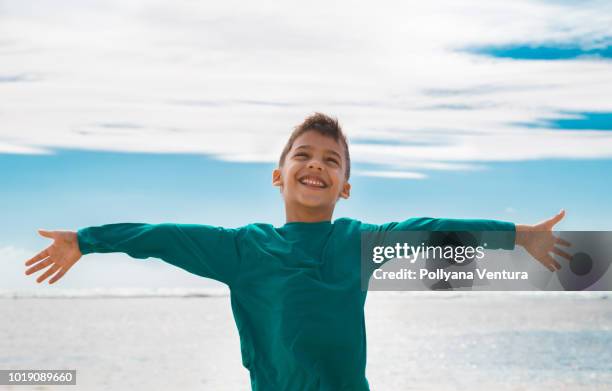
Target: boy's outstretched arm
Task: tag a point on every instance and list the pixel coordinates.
(539, 241)
(203, 250)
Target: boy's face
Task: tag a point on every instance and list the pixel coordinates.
(313, 174)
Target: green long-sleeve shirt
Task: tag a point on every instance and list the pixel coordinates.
(295, 290)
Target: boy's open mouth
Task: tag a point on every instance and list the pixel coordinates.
(312, 181)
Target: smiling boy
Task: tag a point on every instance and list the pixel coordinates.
(314, 170)
(295, 290)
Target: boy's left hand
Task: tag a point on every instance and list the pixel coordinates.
(539, 241)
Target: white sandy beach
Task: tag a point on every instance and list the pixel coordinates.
(416, 341)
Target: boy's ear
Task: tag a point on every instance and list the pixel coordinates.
(276, 177)
(346, 190)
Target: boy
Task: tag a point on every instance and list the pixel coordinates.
(295, 290)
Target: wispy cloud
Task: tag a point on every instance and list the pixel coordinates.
(21, 149)
(192, 77)
(20, 77)
(391, 174)
(120, 125)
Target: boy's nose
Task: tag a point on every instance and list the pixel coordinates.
(314, 164)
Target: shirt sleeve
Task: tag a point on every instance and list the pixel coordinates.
(203, 250)
(495, 233)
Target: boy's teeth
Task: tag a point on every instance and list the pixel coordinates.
(312, 182)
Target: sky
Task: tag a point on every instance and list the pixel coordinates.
(157, 111)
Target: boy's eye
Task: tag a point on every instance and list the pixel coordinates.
(301, 154)
(333, 161)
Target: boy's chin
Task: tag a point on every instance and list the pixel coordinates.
(314, 203)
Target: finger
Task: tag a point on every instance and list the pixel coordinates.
(562, 242)
(49, 271)
(551, 264)
(554, 220)
(46, 234)
(561, 253)
(38, 266)
(41, 255)
(59, 275)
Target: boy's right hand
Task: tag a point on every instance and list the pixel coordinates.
(60, 255)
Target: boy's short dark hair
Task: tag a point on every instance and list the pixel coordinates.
(324, 125)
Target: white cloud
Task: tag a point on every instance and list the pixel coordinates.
(20, 149)
(391, 174)
(203, 77)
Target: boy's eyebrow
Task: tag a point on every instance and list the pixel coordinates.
(327, 150)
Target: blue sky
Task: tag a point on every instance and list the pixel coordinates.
(72, 189)
(559, 51)
(577, 121)
(177, 112)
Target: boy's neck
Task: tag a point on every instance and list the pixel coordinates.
(305, 215)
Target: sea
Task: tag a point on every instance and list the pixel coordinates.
(186, 339)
